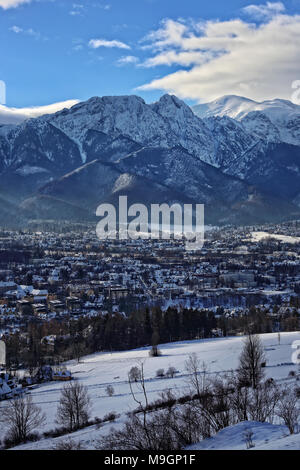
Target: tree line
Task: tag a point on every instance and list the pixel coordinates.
(75, 338)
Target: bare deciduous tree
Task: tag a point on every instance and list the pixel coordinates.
(74, 406)
(248, 438)
(21, 417)
(140, 385)
(263, 401)
(288, 410)
(197, 374)
(174, 422)
(254, 404)
(134, 374)
(250, 370)
(167, 429)
(78, 350)
(154, 351)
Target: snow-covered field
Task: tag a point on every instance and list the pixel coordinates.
(100, 369)
(257, 236)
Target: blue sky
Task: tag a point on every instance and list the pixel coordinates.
(56, 50)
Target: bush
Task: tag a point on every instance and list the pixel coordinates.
(171, 372)
(11, 441)
(96, 420)
(34, 437)
(110, 390)
(154, 352)
(57, 432)
(160, 373)
(68, 444)
(112, 416)
(134, 374)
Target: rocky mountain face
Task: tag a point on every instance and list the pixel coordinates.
(273, 163)
(239, 158)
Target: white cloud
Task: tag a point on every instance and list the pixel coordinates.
(17, 115)
(16, 29)
(266, 11)
(77, 9)
(227, 57)
(96, 43)
(6, 4)
(171, 33)
(128, 59)
(103, 6)
(29, 32)
(184, 58)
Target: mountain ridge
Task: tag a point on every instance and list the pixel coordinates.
(165, 147)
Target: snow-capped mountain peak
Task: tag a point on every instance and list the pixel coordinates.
(281, 117)
(238, 107)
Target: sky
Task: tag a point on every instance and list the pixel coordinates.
(59, 51)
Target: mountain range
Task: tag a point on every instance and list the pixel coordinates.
(238, 157)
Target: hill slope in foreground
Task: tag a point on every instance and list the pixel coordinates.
(220, 355)
(266, 436)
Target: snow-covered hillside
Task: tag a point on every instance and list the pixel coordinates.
(276, 119)
(99, 370)
(265, 436)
